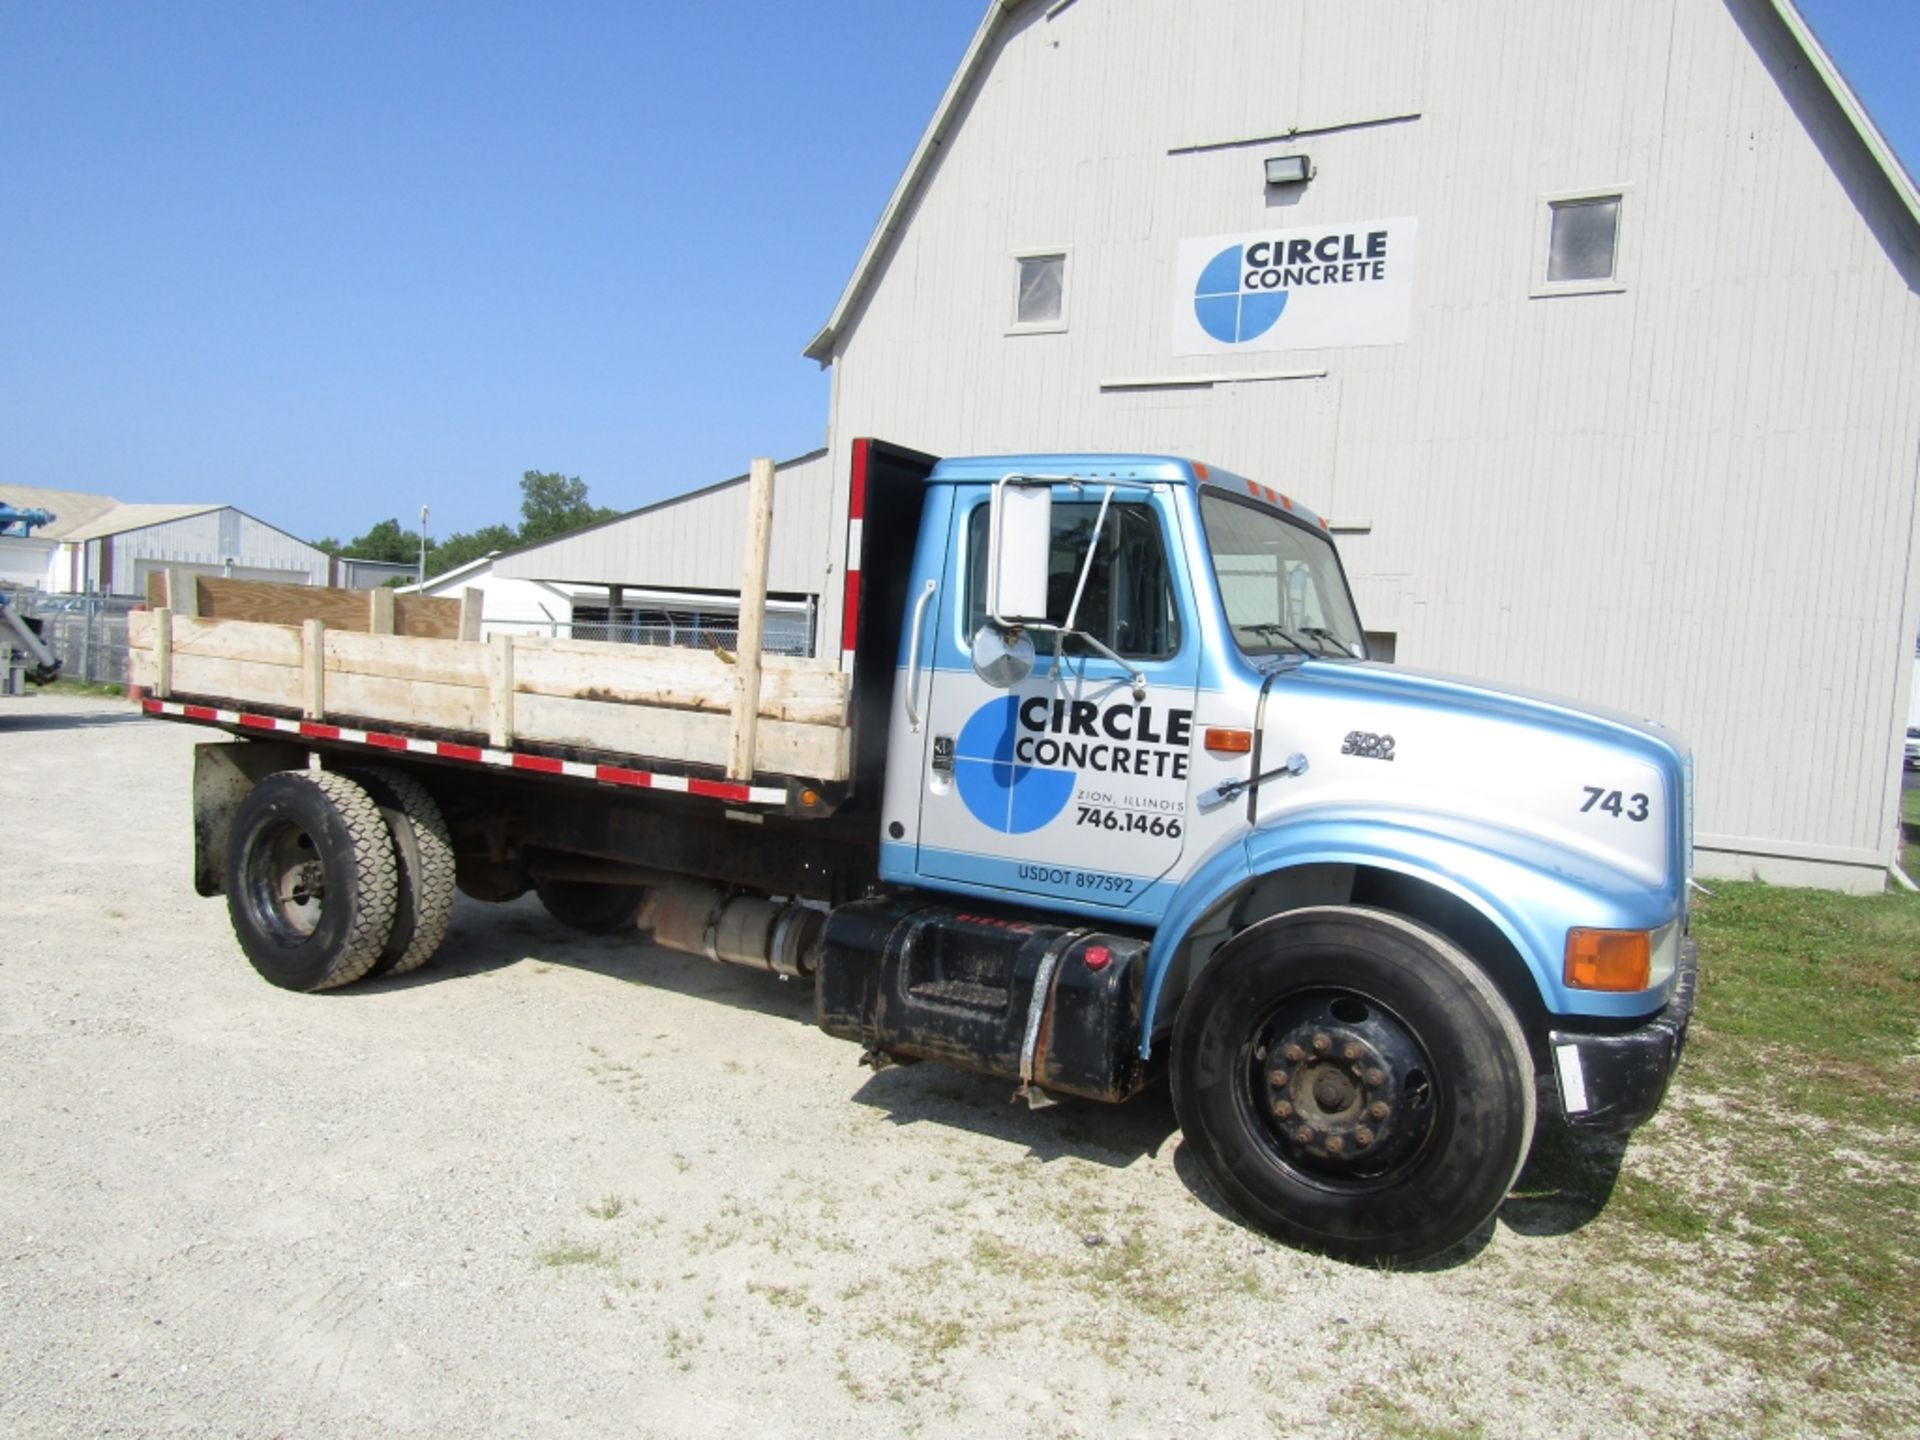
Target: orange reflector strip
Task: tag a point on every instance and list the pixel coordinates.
(1199, 470)
(1609, 959)
(1230, 742)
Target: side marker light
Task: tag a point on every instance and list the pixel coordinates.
(1229, 742)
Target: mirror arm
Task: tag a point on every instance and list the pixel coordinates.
(1060, 632)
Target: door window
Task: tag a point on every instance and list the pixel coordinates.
(1128, 603)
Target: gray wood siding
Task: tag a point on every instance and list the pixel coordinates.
(1694, 499)
(696, 543)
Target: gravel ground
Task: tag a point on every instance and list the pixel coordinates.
(562, 1186)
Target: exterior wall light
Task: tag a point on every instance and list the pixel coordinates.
(1289, 169)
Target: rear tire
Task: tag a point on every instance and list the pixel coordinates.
(423, 851)
(1353, 1083)
(311, 880)
(594, 908)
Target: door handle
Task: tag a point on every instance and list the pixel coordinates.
(913, 655)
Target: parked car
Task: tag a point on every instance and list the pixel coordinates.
(1913, 747)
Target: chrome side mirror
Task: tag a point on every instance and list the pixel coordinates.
(1002, 658)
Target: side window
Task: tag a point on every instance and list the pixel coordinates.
(1128, 604)
(1579, 249)
(1040, 291)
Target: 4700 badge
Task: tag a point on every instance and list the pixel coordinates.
(1091, 881)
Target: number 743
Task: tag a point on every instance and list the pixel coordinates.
(1633, 807)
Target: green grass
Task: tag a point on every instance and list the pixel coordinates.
(1783, 1171)
(559, 1257)
(97, 689)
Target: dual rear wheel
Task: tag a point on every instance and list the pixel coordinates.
(333, 876)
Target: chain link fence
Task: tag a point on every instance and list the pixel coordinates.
(87, 633)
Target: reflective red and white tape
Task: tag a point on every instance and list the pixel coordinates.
(474, 754)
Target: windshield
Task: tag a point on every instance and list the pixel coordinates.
(1280, 583)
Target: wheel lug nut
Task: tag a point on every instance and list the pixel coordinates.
(1279, 1077)
(1352, 1052)
(1378, 1110)
(1335, 1144)
(1294, 1054)
(1283, 1108)
(1304, 1134)
(1322, 1044)
(1376, 1077)
(1363, 1136)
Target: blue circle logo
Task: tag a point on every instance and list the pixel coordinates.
(1230, 314)
(1001, 792)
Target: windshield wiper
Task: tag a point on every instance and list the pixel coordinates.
(1326, 637)
(1269, 628)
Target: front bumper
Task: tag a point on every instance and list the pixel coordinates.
(1614, 1082)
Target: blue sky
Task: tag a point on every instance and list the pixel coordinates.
(334, 262)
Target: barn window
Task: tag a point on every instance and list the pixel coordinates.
(1580, 248)
(1040, 291)
(1581, 244)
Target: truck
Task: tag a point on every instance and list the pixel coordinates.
(1102, 790)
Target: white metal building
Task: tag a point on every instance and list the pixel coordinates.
(97, 545)
(1600, 343)
(669, 573)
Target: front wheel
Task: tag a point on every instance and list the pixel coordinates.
(1353, 1084)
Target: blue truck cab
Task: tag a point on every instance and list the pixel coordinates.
(1148, 806)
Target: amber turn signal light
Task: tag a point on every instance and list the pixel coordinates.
(1229, 742)
(1609, 959)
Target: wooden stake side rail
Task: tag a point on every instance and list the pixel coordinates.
(661, 705)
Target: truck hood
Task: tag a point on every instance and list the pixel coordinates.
(1607, 789)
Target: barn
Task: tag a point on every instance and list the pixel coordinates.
(1593, 329)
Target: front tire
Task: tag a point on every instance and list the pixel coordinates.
(311, 880)
(1354, 1084)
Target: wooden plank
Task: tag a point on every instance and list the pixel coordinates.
(380, 611)
(313, 669)
(817, 752)
(338, 609)
(161, 626)
(240, 681)
(472, 610)
(438, 662)
(742, 750)
(415, 704)
(237, 640)
(426, 617)
(685, 679)
(500, 691)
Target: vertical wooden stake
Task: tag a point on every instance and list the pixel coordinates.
(162, 653)
(313, 657)
(183, 593)
(472, 606)
(380, 611)
(500, 692)
(753, 622)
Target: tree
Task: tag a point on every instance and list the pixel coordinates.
(456, 550)
(385, 541)
(552, 504)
